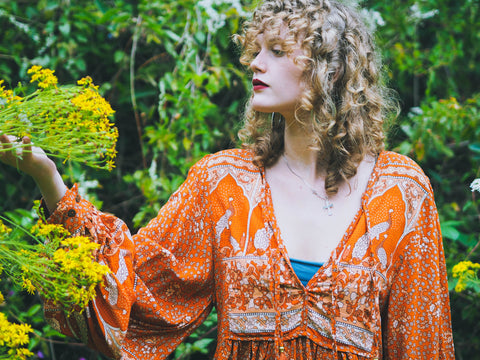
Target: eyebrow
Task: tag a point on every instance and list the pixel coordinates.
(269, 40)
(276, 39)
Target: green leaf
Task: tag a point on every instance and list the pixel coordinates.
(449, 230)
(475, 147)
(187, 143)
(65, 29)
(34, 310)
(202, 345)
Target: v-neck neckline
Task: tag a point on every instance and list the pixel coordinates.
(337, 251)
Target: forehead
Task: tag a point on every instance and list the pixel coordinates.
(267, 38)
(276, 34)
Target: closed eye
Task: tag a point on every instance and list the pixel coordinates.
(278, 52)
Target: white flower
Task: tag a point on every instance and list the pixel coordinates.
(217, 10)
(372, 18)
(475, 185)
(418, 14)
(415, 111)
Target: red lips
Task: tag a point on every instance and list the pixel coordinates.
(258, 85)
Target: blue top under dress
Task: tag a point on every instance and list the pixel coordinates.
(305, 270)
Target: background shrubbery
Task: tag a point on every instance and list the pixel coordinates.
(171, 72)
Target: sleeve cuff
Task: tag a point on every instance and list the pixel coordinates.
(69, 210)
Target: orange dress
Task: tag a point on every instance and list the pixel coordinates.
(381, 295)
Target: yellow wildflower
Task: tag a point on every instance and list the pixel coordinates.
(87, 82)
(13, 336)
(43, 229)
(463, 267)
(461, 285)
(90, 100)
(44, 77)
(27, 285)
(7, 95)
(76, 260)
(34, 69)
(465, 271)
(69, 122)
(61, 257)
(20, 353)
(110, 164)
(4, 229)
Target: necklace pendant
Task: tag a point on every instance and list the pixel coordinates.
(328, 206)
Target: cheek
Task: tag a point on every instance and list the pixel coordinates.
(297, 86)
(296, 78)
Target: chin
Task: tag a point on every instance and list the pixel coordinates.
(262, 109)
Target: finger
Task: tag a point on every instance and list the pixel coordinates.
(6, 141)
(28, 143)
(7, 138)
(29, 150)
(6, 148)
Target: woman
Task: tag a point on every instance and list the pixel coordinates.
(312, 242)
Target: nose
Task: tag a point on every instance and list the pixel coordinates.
(257, 64)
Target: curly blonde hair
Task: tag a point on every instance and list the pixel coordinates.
(345, 94)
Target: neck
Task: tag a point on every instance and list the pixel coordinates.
(299, 154)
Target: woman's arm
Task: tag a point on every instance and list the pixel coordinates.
(161, 286)
(417, 320)
(161, 283)
(34, 162)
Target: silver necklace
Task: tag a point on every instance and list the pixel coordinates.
(328, 205)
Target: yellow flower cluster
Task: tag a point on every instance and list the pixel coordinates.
(12, 339)
(87, 82)
(2, 299)
(70, 122)
(60, 267)
(42, 228)
(27, 285)
(89, 100)
(75, 260)
(4, 230)
(44, 77)
(466, 272)
(7, 96)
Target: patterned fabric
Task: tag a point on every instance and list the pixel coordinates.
(382, 294)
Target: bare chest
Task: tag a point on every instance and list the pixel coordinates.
(310, 227)
(307, 230)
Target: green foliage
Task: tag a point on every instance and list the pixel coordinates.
(431, 47)
(436, 128)
(200, 91)
(443, 136)
(168, 69)
(201, 341)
